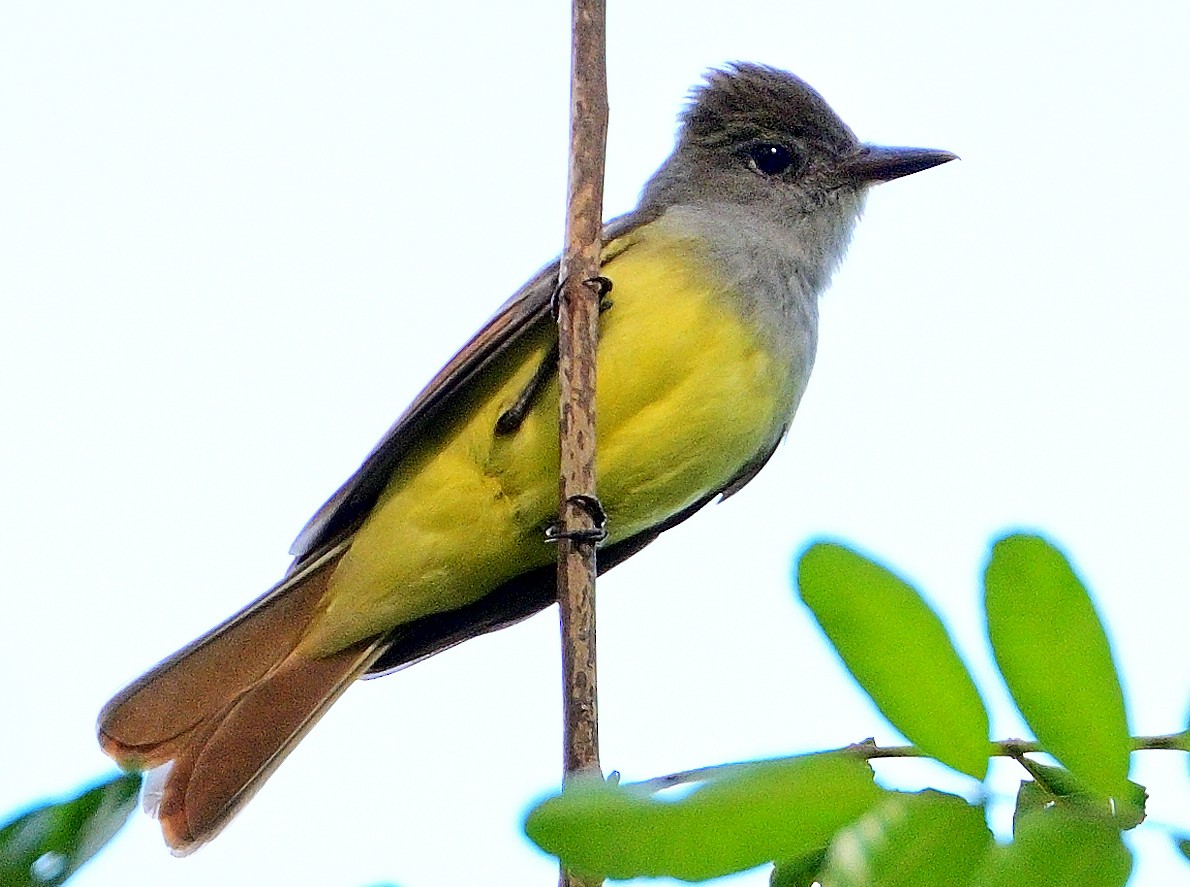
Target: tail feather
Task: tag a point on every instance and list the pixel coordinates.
(226, 710)
(217, 772)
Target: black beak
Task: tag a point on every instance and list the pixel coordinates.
(875, 163)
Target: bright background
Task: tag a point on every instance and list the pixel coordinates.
(236, 239)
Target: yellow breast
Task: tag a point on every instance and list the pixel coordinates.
(686, 395)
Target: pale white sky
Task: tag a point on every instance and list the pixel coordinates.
(236, 239)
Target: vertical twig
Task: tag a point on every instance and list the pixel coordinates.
(578, 316)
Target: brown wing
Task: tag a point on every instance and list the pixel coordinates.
(518, 317)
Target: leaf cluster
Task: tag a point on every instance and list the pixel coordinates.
(823, 818)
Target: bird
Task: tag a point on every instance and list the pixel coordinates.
(708, 333)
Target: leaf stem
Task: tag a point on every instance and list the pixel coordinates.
(869, 750)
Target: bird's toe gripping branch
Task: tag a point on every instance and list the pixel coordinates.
(600, 284)
(592, 535)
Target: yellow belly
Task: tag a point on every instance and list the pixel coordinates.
(686, 395)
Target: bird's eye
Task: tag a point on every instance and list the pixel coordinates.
(771, 159)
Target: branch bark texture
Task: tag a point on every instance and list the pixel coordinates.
(578, 318)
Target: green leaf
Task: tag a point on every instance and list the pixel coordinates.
(1058, 785)
(46, 845)
(1030, 798)
(1183, 845)
(743, 817)
(1060, 847)
(899, 652)
(801, 872)
(928, 839)
(1055, 658)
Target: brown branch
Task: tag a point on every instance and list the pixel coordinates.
(578, 316)
(580, 518)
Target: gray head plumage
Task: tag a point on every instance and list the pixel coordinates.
(738, 120)
(758, 136)
(747, 101)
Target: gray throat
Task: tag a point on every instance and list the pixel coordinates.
(776, 267)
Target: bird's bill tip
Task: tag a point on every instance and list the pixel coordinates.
(877, 163)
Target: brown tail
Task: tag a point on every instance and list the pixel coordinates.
(226, 710)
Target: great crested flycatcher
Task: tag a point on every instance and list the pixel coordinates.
(705, 348)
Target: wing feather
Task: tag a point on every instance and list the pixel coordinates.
(520, 316)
